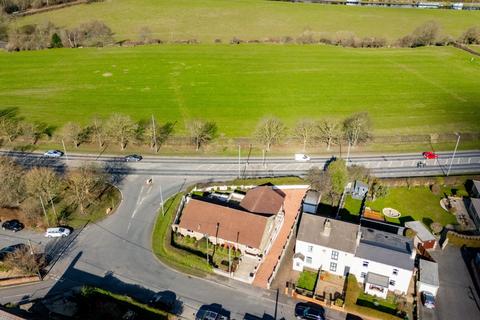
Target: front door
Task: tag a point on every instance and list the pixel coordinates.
(346, 271)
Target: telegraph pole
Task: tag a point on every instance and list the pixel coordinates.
(348, 154)
(154, 134)
(161, 199)
(454, 152)
(206, 236)
(65, 149)
(239, 170)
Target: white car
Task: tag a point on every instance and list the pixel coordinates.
(57, 232)
(53, 154)
(301, 157)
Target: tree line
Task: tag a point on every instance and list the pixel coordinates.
(98, 34)
(122, 130)
(13, 6)
(37, 190)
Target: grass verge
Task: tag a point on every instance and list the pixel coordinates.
(171, 256)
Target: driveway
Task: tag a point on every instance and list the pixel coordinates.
(456, 297)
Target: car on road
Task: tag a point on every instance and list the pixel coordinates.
(301, 157)
(133, 158)
(430, 155)
(53, 154)
(309, 311)
(12, 225)
(11, 249)
(57, 232)
(428, 300)
(164, 300)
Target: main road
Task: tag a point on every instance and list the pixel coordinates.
(116, 252)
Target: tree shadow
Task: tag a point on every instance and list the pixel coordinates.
(74, 278)
(29, 161)
(116, 170)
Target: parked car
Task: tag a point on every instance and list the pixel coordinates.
(164, 300)
(12, 225)
(57, 232)
(301, 157)
(309, 311)
(53, 154)
(430, 155)
(11, 249)
(212, 312)
(428, 300)
(133, 158)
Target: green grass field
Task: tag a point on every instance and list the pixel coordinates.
(406, 91)
(206, 20)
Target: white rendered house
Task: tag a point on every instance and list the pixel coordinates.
(381, 261)
(325, 244)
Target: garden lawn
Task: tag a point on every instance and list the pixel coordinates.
(307, 280)
(206, 20)
(353, 206)
(416, 203)
(406, 91)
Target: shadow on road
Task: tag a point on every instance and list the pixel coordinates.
(116, 170)
(28, 160)
(74, 278)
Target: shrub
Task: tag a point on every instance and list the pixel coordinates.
(236, 40)
(470, 36)
(424, 35)
(435, 188)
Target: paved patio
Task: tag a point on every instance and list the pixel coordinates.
(293, 201)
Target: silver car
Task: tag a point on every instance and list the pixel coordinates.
(53, 154)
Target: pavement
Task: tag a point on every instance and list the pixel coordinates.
(456, 297)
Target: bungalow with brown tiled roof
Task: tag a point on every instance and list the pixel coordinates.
(250, 232)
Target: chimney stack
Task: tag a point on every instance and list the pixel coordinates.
(327, 227)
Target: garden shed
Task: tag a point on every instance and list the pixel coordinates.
(359, 190)
(423, 236)
(311, 201)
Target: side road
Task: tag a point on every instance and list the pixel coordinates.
(116, 254)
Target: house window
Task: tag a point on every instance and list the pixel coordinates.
(395, 272)
(365, 263)
(333, 266)
(392, 282)
(334, 255)
(363, 275)
(309, 260)
(310, 248)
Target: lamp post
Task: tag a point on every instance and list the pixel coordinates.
(454, 152)
(206, 237)
(239, 174)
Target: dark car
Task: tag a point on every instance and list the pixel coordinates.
(13, 225)
(164, 300)
(212, 312)
(133, 158)
(428, 300)
(309, 311)
(11, 249)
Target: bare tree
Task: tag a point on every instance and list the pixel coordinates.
(121, 129)
(329, 132)
(73, 133)
(10, 125)
(201, 132)
(27, 262)
(269, 132)
(157, 134)
(83, 183)
(12, 188)
(97, 128)
(43, 183)
(356, 128)
(305, 130)
(33, 131)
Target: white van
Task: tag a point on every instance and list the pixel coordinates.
(301, 157)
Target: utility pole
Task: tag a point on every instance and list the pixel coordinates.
(264, 158)
(229, 262)
(44, 211)
(239, 170)
(348, 154)
(161, 199)
(30, 245)
(206, 236)
(454, 152)
(65, 149)
(154, 144)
